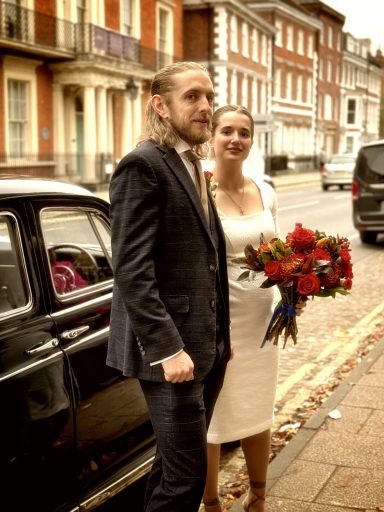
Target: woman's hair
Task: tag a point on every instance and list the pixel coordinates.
(232, 108)
(155, 127)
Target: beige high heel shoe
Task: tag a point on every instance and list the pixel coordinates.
(256, 494)
(212, 505)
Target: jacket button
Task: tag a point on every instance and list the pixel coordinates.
(212, 267)
(213, 303)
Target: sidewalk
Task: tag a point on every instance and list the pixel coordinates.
(286, 179)
(290, 179)
(336, 465)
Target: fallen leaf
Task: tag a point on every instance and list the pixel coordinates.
(335, 414)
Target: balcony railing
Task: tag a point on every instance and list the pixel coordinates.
(38, 31)
(92, 39)
(29, 27)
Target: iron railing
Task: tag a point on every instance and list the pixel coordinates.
(69, 166)
(26, 26)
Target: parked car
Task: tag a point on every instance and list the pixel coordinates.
(368, 191)
(338, 171)
(73, 431)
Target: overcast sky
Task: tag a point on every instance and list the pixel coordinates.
(364, 19)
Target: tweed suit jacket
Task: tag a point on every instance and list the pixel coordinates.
(168, 272)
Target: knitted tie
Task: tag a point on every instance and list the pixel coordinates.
(200, 180)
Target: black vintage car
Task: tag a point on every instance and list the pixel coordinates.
(73, 432)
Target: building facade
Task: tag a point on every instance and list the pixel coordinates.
(361, 91)
(295, 64)
(236, 46)
(330, 48)
(75, 77)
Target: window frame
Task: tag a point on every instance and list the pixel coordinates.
(17, 246)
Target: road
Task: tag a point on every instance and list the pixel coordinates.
(330, 330)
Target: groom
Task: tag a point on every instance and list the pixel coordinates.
(170, 315)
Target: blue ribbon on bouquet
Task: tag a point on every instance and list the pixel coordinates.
(286, 310)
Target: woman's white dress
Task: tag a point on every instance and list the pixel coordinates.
(246, 402)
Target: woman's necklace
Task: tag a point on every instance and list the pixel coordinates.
(240, 206)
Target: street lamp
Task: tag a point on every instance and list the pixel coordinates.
(132, 88)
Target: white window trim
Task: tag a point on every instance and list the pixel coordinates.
(136, 25)
(300, 42)
(23, 70)
(233, 34)
(234, 88)
(245, 39)
(160, 6)
(290, 38)
(255, 45)
(279, 34)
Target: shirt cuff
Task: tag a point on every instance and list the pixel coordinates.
(165, 358)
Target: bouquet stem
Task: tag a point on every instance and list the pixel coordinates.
(283, 320)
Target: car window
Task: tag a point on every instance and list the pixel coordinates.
(342, 160)
(78, 245)
(371, 164)
(14, 292)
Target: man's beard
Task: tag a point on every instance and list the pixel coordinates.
(195, 138)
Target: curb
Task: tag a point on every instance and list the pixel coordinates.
(290, 452)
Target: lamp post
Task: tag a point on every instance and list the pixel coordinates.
(131, 115)
(132, 89)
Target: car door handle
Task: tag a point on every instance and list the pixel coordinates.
(42, 347)
(74, 333)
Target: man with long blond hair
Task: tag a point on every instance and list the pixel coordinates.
(170, 316)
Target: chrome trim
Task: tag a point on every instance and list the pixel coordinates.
(117, 486)
(84, 305)
(74, 333)
(53, 343)
(23, 268)
(23, 369)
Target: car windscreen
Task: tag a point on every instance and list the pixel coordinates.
(342, 160)
(370, 165)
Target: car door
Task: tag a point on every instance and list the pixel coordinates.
(37, 450)
(114, 437)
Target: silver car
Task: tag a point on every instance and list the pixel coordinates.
(338, 171)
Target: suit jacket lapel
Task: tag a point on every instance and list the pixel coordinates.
(176, 165)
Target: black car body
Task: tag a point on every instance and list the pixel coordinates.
(368, 191)
(73, 431)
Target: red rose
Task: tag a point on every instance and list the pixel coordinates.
(347, 283)
(308, 284)
(302, 238)
(346, 269)
(272, 270)
(208, 175)
(344, 255)
(322, 255)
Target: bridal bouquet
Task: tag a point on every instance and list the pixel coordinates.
(307, 264)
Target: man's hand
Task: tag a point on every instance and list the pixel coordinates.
(179, 368)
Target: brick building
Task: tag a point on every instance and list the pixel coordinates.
(74, 79)
(295, 68)
(330, 48)
(236, 46)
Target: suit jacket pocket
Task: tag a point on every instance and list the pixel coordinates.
(176, 303)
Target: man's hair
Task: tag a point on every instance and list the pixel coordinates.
(155, 127)
(231, 108)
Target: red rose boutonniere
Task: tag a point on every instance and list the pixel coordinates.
(210, 182)
(307, 264)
